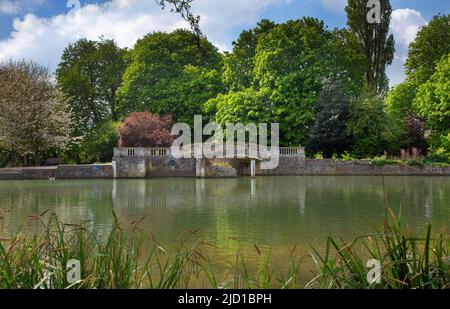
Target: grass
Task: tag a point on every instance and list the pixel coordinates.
(408, 261)
(129, 259)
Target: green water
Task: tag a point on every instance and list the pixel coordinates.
(271, 212)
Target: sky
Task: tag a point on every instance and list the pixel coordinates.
(40, 29)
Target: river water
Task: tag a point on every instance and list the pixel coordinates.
(270, 212)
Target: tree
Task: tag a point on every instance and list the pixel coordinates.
(275, 74)
(374, 41)
(98, 145)
(433, 101)
(89, 74)
(245, 106)
(400, 99)
(185, 95)
(290, 63)
(146, 130)
(431, 44)
(239, 65)
(329, 134)
(157, 79)
(346, 61)
(373, 130)
(399, 103)
(183, 7)
(33, 118)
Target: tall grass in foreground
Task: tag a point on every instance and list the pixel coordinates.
(407, 261)
(129, 259)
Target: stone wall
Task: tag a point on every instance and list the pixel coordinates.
(130, 167)
(84, 172)
(59, 172)
(291, 166)
(166, 166)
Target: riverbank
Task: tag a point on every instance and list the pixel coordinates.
(287, 167)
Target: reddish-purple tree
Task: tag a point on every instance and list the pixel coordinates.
(146, 130)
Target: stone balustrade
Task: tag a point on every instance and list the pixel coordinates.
(248, 152)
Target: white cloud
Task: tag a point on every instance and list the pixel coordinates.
(8, 7)
(43, 39)
(405, 24)
(337, 6)
(13, 7)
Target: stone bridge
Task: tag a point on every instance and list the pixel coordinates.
(148, 162)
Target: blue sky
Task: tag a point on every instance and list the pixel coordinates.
(40, 29)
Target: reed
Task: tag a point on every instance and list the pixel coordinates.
(408, 261)
(128, 259)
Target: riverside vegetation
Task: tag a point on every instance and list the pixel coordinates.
(409, 260)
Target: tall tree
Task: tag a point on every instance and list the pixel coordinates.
(282, 80)
(431, 44)
(375, 42)
(373, 130)
(33, 118)
(89, 74)
(169, 75)
(239, 64)
(329, 134)
(433, 101)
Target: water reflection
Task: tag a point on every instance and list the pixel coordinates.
(270, 211)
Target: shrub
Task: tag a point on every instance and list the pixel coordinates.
(418, 163)
(438, 158)
(146, 130)
(99, 144)
(380, 161)
(371, 126)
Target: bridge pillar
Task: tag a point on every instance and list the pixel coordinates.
(200, 168)
(114, 166)
(302, 157)
(253, 168)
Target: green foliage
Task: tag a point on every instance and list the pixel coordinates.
(422, 101)
(374, 130)
(431, 44)
(99, 145)
(246, 106)
(89, 75)
(170, 73)
(185, 95)
(399, 100)
(239, 65)
(293, 92)
(347, 61)
(433, 101)
(381, 161)
(440, 156)
(375, 42)
(280, 82)
(4, 158)
(329, 134)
